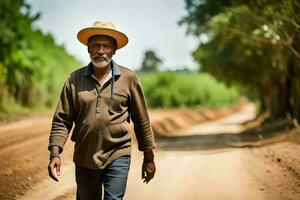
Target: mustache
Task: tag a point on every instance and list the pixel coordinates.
(103, 57)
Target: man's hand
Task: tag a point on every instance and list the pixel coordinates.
(148, 171)
(54, 168)
(54, 164)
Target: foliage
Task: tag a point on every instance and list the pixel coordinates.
(32, 66)
(151, 61)
(251, 43)
(173, 90)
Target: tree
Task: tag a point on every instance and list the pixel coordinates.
(252, 43)
(151, 61)
(14, 72)
(32, 66)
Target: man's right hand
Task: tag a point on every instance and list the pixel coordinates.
(54, 168)
(54, 164)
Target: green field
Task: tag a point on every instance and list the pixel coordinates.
(175, 90)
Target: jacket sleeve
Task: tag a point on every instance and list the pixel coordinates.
(63, 118)
(140, 118)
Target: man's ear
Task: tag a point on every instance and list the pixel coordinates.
(88, 48)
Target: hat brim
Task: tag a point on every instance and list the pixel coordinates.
(84, 34)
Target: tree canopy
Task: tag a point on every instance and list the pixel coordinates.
(255, 44)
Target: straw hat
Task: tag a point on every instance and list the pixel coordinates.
(102, 28)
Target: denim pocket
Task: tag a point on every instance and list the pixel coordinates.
(121, 164)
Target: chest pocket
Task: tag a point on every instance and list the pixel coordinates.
(118, 103)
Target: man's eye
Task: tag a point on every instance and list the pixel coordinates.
(107, 46)
(96, 46)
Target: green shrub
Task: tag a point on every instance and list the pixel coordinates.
(174, 90)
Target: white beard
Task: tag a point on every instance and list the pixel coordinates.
(101, 64)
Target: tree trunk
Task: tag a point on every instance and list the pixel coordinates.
(295, 90)
(278, 96)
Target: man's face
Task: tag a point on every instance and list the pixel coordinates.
(101, 49)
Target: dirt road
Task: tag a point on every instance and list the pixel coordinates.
(195, 163)
(199, 174)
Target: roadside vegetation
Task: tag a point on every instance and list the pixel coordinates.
(254, 44)
(186, 89)
(32, 66)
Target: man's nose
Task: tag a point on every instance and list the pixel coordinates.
(101, 50)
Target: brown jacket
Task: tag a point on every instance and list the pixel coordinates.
(101, 116)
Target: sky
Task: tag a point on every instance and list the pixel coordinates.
(148, 25)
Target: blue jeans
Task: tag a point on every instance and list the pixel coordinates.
(113, 178)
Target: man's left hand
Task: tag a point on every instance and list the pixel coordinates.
(148, 171)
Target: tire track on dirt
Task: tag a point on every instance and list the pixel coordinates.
(14, 133)
(17, 145)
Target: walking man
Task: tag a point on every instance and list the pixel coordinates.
(100, 99)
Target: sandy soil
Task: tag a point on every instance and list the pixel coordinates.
(206, 161)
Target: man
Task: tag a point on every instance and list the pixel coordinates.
(100, 99)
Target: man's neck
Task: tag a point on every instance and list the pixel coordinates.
(101, 72)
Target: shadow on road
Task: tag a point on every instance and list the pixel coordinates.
(248, 138)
